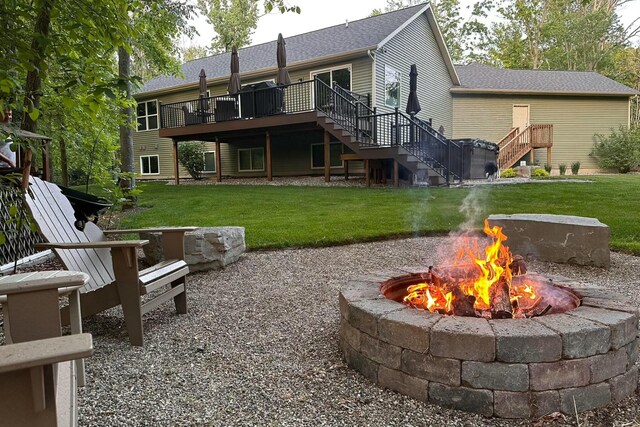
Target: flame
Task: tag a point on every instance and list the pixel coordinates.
(482, 271)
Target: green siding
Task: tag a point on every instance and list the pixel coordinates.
(416, 44)
(575, 120)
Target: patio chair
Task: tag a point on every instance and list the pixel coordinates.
(38, 380)
(115, 278)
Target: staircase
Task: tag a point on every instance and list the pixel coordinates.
(413, 143)
(515, 145)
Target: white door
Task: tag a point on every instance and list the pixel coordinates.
(520, 117)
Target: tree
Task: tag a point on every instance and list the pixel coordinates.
(234, 20)
(194, 52)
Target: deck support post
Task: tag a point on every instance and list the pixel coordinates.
(327, 157)
(396, 180)
(346, 170)
(367, 173)
(548, 155)
(531, 157)
(218, 162)
(268, 143)
(176, 169)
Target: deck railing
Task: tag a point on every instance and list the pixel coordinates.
(344, 107)
(256, 103)
(533, 136)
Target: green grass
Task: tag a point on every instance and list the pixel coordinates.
(277, 217)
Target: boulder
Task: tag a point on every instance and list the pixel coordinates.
(556, 238)
(205, 248)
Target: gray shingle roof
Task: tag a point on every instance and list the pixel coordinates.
(358, 35)
(486, 78)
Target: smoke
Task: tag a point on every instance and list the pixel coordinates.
(472, 208)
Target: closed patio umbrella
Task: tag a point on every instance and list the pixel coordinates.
(204, 104)
(283, 74)
(203, 82)
(234, 80)
(413, 105)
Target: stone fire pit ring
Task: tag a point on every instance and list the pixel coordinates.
(512, 368)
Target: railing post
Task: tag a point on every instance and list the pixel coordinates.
(448, 161)
(397, 127)
(357, 122)
(375, 126)
(160, 119)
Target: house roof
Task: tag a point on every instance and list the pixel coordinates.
(337, 41)
(479, 78)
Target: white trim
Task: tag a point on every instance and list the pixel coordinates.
(149, 173)
(387, 66)
(250, 149)
(331, 69)
(403, 26)
(205, 161)
(330, 167)
(146, 116)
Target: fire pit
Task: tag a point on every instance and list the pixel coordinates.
(483, 335)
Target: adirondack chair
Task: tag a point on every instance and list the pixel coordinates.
(115, 278)
(37, 376)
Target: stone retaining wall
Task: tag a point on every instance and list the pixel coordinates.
(516, 368)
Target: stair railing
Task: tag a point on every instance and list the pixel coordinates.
(514, 149)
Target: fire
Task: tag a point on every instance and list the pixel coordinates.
(479, 282)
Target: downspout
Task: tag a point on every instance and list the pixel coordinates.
(373, 77)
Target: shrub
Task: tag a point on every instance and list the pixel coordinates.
(548, 168)
(620, 150)
(539, 172)
(562, 168)
(191, 157)
(575, 167)
(508, 173)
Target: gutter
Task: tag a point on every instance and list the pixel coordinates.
(479, 91)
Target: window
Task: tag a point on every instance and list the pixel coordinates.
(150, 165)
(317, 155)
(147, 115)
(340, 76)
(391, 87)
(250, 159)
(209, 161)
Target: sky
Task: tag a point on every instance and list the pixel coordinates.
(316, 14)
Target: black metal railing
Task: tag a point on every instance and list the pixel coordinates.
(344, 107)
(249, 103)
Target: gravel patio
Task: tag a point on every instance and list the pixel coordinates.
(260, 347)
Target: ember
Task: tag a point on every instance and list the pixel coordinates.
(490, 285)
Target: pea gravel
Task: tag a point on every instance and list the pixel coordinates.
(259, 347)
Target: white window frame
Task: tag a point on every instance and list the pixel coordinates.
(387, 69)
(146, 117)
(330, 167)
(214, 161)
(332, 69)
(142, 172)
(251, 157)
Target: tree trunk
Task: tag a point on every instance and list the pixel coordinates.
(127, 183)
(33, 87)
(64, 163)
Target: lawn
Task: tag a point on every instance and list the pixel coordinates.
(278, 217)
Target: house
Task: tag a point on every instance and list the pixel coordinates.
(490, 103)
(344, 110)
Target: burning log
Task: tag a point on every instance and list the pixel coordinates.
(501, 301)
(518, 266)
(462, 303)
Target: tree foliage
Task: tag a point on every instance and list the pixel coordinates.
(191, 157)
(235, 20)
